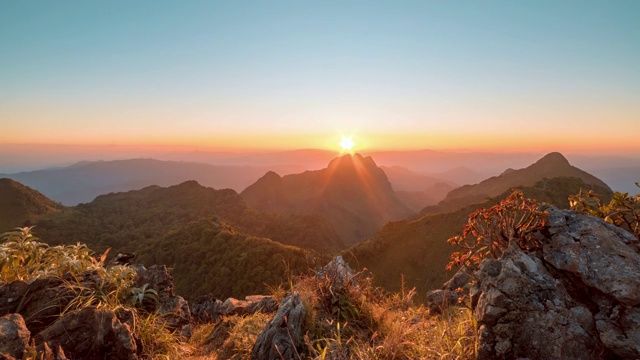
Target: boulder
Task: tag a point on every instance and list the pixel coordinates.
(283, 336)
(90, 333)
(14, 336)
(41, 301)
(205, 309)
(524, 312)
(173, 308)
(579, 297)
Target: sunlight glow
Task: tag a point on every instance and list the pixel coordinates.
(347, 143)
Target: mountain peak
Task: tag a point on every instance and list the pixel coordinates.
(553, 159)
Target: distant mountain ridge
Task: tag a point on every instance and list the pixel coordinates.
(21, 205)
(83, 181)
(551, 165)
(353, 193)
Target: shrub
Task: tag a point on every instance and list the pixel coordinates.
(488, 232)
(623, 210)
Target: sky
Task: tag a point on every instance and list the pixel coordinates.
(489, 75)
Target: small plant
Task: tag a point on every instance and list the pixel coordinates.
(488, 232)
(623, 210)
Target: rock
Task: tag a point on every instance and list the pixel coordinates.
(208, 309)
(438, 300)
(250, 305)
(600, 263)
(339, 272)
(41, 301)
(577, 297)
(459, 285)
(158, 278)
(261, 303)
(90, 333)
(461, 280)
(523, 311)
(283, 336)
(205, 309)
(175, 312)
(595, 253)
(14, 335)
(173, 308)
(233, 306)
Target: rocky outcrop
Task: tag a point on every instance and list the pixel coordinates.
(173, 308)
(90, 333)
(524, 310)
(14, 336)
(283, 336)
(41, 301)
(338, 271)
(579, 297)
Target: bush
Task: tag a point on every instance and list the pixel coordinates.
(488, 232)
(623, 210)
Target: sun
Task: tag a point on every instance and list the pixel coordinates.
(347, 143)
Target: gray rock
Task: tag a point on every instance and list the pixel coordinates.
(41, 301)
(283, 336)
(205, 309)
(173, 308)
(90, 333)
(14, 335)
(596, 253)
(438, 300)
(524, 311)
(339, 272)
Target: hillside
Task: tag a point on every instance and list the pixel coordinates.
(126, 221)
(212, 257)
(82, 182)
(353, 193)
(418, 249)
(550, 166)
(21, 205)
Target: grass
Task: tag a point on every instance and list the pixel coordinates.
(359, 322)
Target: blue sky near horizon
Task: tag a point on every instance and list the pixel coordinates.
(477, 74)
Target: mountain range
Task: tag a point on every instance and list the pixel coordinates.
(232, 244)
(83, 181)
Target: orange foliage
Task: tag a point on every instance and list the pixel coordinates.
(488, 232)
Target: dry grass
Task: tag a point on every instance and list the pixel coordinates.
(232, 337)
